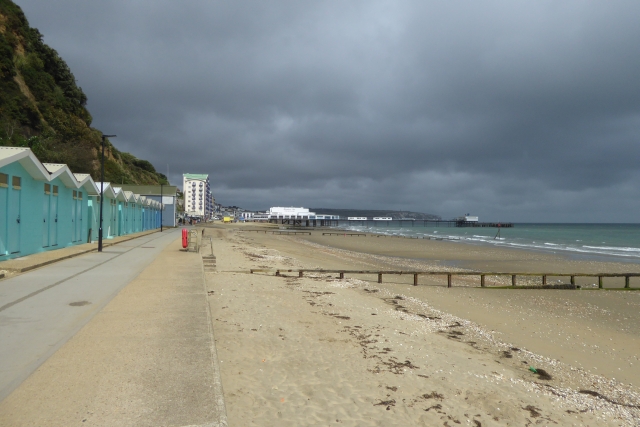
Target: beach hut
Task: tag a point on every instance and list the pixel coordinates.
(84, 212)
(44, 206)
(128, 212)
(121, 201)
(109, 212)
(22, 184)
(165, 194)
(41, 205)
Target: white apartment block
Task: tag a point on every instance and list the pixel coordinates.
(198, 200)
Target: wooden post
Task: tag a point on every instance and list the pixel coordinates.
(544, 279)
(573, 280)
(415, 279)
(513, 280)
(341, 275)
(300, 273)
(448, 280)
(600, 282)
(482, 280)
(379, 277)
(626, 281)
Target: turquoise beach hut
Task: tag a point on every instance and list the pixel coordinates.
(109, 212)
(44, 206)
(41, 206)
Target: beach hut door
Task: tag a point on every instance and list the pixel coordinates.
(53, 218)
(15, 195)
(73, 216)
(46, 207)
(79, 217)
(113, 220)
(3, 213)
(119, 220)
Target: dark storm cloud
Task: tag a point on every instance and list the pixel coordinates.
(514, 111)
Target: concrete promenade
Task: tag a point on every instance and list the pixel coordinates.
(119, 338)
(14, 266)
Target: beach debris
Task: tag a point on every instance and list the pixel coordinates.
(533, 411)
(387, 403)
(605, 398)
(433, 395)
(542, 374)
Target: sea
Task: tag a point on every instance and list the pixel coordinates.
(604, 242)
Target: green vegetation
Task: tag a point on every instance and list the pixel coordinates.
(42, 107)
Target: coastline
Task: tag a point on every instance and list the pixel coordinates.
(521, 237)
(584, 339)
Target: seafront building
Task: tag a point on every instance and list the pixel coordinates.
(279, 212)
(46, 206)
(198, 200)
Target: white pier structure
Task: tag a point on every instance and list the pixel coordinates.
(299, 216)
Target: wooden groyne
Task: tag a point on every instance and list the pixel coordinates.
(451, 274)
(345, 234)
(280, 231)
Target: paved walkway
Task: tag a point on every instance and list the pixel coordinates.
(32, 261)
(146, 359)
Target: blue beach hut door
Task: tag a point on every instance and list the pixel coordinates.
(112, 228)
(46, 214)
(74, 230)
(79, 216)
(15, 196)
(119, 219)
(4, 184)
(53, 217)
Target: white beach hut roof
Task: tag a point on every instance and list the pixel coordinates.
(85, 181)
(27, 159)
(62, 171)
(107, 190)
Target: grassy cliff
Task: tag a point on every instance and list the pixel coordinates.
(43, 108)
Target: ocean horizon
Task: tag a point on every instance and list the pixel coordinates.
(597, 241)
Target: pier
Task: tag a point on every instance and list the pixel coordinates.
(402, 223)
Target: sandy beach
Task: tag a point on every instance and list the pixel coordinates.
(320, 350)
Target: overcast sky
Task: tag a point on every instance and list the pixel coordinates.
(511, 110)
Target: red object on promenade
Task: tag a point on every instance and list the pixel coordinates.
(185, 238)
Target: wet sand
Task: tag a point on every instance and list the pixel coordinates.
(355, 352)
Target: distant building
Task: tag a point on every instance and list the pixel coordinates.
(198, 200)
(297, 213)
(467, 218)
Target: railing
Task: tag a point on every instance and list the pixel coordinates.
(450, 274)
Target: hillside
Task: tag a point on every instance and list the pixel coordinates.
(42, 107)
(344, 213)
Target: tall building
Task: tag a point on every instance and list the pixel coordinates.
(198, 200)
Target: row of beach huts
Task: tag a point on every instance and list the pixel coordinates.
(45, 206)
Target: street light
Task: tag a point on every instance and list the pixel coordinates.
(102, 191)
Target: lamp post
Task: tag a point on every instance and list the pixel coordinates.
(102, 191)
